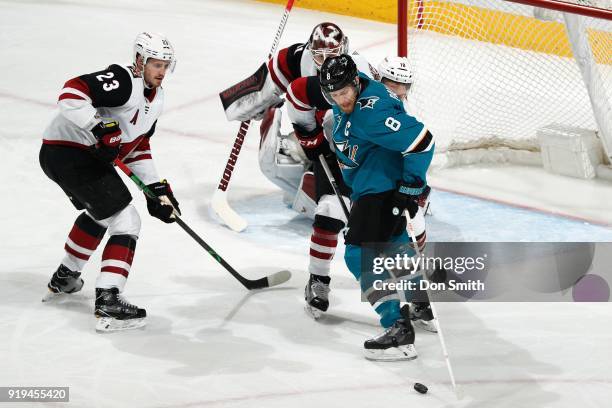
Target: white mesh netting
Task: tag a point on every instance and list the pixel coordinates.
(489, 73)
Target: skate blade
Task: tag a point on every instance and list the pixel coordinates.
(50, 296)
(109, 324)
(429, 326)
(313, 312)
(401, 353)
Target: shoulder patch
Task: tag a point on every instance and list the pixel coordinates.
(367, 103)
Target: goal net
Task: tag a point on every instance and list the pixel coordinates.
(490, 73)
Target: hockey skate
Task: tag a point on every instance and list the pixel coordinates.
(422, 316)
(316, 295)
(113, 312)
(63, 281)
(395, 343)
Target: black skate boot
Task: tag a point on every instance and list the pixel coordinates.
(63, 281)
(422, 316)
(316, 295)
(395, 343)
(115, 313)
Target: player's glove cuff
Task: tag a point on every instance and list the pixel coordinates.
(164, 207)
(313, 142)
(412, 189)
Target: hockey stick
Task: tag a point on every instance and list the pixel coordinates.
(457, 390)
(334, 184)
(272, 280)
(219, 203)
(410, 228)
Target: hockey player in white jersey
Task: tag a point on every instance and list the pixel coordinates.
(280, 158)
(397, 75)
(103, 116)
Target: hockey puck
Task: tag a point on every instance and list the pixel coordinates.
(420, 388)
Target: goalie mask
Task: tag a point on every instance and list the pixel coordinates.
(153, 45)
(327, 40)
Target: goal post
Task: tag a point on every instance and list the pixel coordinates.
(490, 73)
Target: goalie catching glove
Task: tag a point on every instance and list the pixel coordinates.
(313, 142)
(164, 207)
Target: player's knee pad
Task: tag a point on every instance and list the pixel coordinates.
(329, 206)
(124, 222)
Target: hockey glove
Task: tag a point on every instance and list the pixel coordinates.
(406, 197)
(109, 140)
(166, 205)
(313, 142)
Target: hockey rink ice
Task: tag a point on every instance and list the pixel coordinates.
(208, 342)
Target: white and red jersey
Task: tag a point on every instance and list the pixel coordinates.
(291, 63)
(249, 98)
(114, 93)
(297, 61)
(306, 99)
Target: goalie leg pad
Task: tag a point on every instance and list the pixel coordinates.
(304, 200)
(286, 174)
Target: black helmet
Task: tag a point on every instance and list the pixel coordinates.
(337, 72)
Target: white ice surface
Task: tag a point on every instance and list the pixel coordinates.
(208, 342)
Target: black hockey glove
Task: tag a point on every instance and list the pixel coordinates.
(109, 140)
(165, 206)
(313, 142)
(406, 197)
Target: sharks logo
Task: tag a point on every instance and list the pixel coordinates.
(367, 103)
(346, 154)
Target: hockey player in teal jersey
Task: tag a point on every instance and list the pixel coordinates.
(384, 155)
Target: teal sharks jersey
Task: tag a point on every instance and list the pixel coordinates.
(379, 144)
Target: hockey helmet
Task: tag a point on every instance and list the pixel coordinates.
(338, 72)
(327, 40)
(396, 69)
(154, 45)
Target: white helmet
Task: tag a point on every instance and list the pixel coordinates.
(153, 45)
(396, 69)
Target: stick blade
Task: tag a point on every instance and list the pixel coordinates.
(228, 216)
(279, 277)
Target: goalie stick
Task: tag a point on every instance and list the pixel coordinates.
(272, 280)
(219, 203)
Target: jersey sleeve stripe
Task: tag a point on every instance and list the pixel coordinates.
(78, 85)
(421, 143)
(283, 64)
(277, 74)
(70, 96)
(299, 102)
(75, 93)
(296, 105)
(138, 158)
